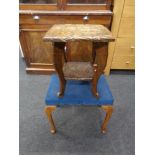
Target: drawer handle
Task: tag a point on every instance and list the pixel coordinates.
(36, 17)
(127, 62)
(85, 18)
(132, 47)
(65, 49)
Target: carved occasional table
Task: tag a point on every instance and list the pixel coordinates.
(76, 79)
(66, 69)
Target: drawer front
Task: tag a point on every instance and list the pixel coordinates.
(127, 27)
(123, 62)
(129, 11)
(36, 51)
(129, 2)
(125, 47)
(61, 19)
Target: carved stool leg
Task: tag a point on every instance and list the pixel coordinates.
(48, 110)
(100, 52)
(108, 110)
(58, 62)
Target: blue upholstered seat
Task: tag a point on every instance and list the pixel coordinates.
(78, 93)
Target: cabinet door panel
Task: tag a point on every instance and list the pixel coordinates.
(86, 1)
(129, 11)
(38, 1)
(127, 27)
(129, 2)
(40, 52)
(125, 47)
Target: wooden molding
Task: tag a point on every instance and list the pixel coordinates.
(71, 12)
(40, 71)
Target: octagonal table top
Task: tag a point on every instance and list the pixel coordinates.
(74, 32)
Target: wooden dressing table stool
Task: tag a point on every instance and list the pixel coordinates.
(77, 79)
(78, 93)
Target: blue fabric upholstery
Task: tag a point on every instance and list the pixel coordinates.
(78, 93)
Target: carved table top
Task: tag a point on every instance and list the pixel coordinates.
(73, 32)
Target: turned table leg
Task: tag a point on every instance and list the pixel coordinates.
(100, 54)
(58, 62)
(108, 110)
(48, 110)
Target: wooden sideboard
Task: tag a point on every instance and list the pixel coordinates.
(122, 51)
(35, 19)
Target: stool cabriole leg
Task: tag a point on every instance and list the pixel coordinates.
(58, 62)
(108, 110)
(48, 110)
